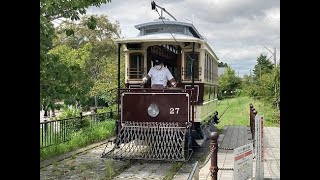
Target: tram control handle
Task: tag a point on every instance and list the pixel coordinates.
(144, 81)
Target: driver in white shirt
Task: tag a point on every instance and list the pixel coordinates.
(159, 75)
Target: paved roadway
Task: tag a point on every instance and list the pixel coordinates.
(235, 136)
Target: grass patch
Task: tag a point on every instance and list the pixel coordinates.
(85, 136)
(238, 112)
(173, 170)
(110, 172)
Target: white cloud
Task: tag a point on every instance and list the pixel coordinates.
(237, 30)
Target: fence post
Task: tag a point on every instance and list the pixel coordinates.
(45, 126)
(214, 156)
(251, 126)
(45, 132)
(81, 118)
(254, 113)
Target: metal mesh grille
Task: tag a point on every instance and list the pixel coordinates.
(151, 141)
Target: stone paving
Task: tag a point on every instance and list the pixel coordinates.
(89, 165)
(85, 165)
(150, 170)
(235, 136)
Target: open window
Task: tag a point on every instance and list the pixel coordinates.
(168, 54)
(135, 69)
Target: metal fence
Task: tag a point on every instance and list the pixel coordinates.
(253, 113)
(213, 154)
(59, 131)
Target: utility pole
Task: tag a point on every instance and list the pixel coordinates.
(275, 65)
(274, 54)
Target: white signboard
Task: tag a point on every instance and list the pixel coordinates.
(259, 147)
(243, 168)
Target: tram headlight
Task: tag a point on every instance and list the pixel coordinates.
(153, 110)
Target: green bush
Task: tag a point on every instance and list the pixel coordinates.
(68, 113)
(85, 136)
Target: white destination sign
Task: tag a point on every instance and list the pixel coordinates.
(243, 168)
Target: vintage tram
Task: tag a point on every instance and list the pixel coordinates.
(165, 124)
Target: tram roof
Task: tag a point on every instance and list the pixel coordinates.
(160, 37)
(163, 37)
(158, 22)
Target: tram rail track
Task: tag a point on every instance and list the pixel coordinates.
(87, 163)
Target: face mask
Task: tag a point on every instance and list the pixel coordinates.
(158, 67)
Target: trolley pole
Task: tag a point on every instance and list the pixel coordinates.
(214, 156)
(118, 98)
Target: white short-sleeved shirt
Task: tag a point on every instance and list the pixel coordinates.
(160, 76)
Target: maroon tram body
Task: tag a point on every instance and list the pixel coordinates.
(165, 124)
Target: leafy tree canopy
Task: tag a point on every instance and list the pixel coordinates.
(69, 9)
(263, 66)
(101, 64)
(229, 81)
(50, 65)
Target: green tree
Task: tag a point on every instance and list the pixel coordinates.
(247, 85)
(69, 9)
(77, 85)
(263, 66)
(229, 82)
(77, 34)
(50, 65)
(265, 86)
(101, 66)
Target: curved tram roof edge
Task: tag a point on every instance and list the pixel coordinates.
(164, 37)
(168, 22)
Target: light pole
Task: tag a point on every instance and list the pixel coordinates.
(274, 54)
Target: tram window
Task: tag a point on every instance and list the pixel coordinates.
(136, 66)
(188, 65)
(206, 66)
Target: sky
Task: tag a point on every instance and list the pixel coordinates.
(237, 30)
